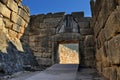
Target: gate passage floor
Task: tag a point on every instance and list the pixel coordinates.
(64, 72)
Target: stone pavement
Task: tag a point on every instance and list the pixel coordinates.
(57, 72)
(63, 72)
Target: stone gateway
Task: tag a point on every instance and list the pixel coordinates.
(29, 41)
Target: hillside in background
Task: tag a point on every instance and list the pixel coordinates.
(68, 54)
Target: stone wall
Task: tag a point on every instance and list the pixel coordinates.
(106, 24)
(42, 28)
(14, 18)
(46, 31)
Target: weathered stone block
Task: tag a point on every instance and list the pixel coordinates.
(77, 14)
(16, 27)
(4, 11)
(8, 23)
(12, 34)
(17, 19)
(112, 26)
(22, 29)
(114, 47)
(84, 25)
(52, 20)
(89, 41)
(12, 5)
(83, 19)
(26, 8)
(44, 61)
(86, 31)
(51, 25)
(59, 14)
(23, 14)
(36, 19)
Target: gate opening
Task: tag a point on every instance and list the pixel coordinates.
(69, 53)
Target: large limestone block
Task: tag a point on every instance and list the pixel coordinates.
(58, 14)
(78, 14)
(88, 31)
(84, 25)
(12, 5)
(52, 20)
(8, 23)
(114, 47)
(12, 34)
(83, 19)
(112, 26)
(17, 19)
(89, 41)
(23, 14)
(4, 11)
(36, 20)
(44, 32)
(44, 61)
(48, 25)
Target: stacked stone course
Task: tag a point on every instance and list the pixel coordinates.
(14, 19)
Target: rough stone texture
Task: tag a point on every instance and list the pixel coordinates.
(68, 55)
(14, 54)
(106, 25)
(46, 32)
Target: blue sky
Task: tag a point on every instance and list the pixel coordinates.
(68, 6)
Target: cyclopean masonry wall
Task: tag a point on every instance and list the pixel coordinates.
(14, 55)
(45, 32)
(106, 24)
